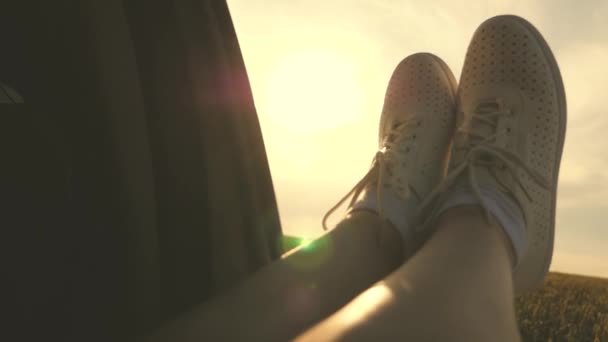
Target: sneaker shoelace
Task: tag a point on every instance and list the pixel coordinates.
(383, 169)
(482, 152)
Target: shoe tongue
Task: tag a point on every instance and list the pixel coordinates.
(482, 110)
(487, 106)
(483, 175)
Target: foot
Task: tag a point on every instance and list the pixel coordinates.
(416, 125)
(507, 149)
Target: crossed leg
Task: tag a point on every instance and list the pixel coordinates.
(458, 287)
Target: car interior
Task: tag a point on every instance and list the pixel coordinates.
(131, 154)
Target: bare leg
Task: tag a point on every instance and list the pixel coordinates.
(304, 287)
(458, 287)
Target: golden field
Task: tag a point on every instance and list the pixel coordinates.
(566, 308)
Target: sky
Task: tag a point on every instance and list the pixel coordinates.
(319, 70)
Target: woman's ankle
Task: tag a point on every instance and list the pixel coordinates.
(471, 218)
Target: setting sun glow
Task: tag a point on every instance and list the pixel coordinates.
(313, 90)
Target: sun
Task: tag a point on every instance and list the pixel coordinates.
(313, 90)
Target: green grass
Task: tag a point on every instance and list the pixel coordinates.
(566, 308)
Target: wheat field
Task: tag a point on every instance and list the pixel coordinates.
(566, 308)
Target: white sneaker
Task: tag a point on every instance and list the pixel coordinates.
(511, 126)
(416, 127)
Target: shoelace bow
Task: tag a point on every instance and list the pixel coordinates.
(384, 162)
(482, 151)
